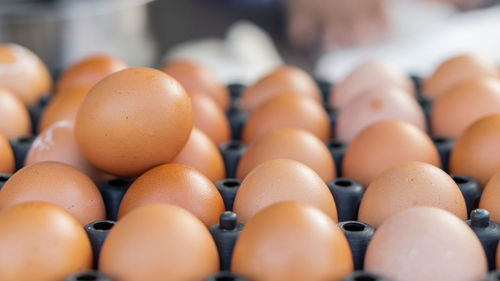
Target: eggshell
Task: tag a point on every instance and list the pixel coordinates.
(88, 71)
(285, 79)
(159, 242)
(383, 145)
(466, 102)
(201, 153)
(63, 107)
(23, 73)
(287, 111)
(14, 117)
(455, 70)
(376, 105)
(289, 143)
(291, 241)
(282, 180)
(133, 120)
(57, 143)
(210, 118)
(196, 78)
(369, 75)
(407, 185)
(56, 183)
(490, 199)
(175, 184)
(7, 164)
(477, 151)
(41, 241)
(425, 243)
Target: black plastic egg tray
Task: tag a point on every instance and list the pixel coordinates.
(346, 192)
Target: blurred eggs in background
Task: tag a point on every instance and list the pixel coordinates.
(490, 199)
(14, 117)
(210, 118)
(7, 164)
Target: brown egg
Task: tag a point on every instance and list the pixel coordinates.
(289, 143)
(490, 199)
(370, 75)
(284, 79)
(23, 73)
(287, 111)
(282, 180)
(376, 105)
(383, 145)
(41, 241)
(466, 102)
(175, 184)
(7, 164)
(56, 183)
(88, 71)
(426, 243)
(63, 106)
(196, 78)
(133, 120)
(14, 117)
(407, 185)
(455, 70)
(292, 241)
(201, 153)
(210, 118)
(159, 242)
(57, 143)
(477, 151)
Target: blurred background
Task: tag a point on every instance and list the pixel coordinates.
(243, 39)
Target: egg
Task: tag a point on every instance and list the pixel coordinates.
(23, 73)
(57, 143)
(210, 118)
(282, 180)
(63, 107)
(285, 79)
(477, 151)
(133, 120)
(287, 111)
(383, 145)
(370, 75)
(175, 184)
(41, 241)
(14, 117)
(7, 162)
(159, 242)
(201, 153)
(425, 243)
(466, 102)
(289, 143)
(490, 199)
(291, 241)
(407, 185)
(455, 70)
(376, 105)
(195, 77)
(56, 183)
(88, 71)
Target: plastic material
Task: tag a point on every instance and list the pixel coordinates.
(363, 276)
(20, 147)
(235, 90)
(228, 189)
(426, 105)
(444, 147)
(237, 118)
(231, 153)
(325, 88)
(112, 192)
(36, 111)
(358, 235)
(3, 179)
(225, 234)
(90, 275)
(337, 150)
(488, 233)
(417, 82)
(333, 115)
(97, 232)
(492, 276)
(470, 190)
(347, 194)
(225, 276)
